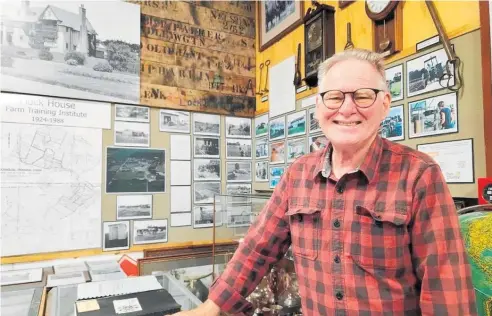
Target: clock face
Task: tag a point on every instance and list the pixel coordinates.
(314, 35)
(377, 6)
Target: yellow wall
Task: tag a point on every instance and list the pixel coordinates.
(458, 17)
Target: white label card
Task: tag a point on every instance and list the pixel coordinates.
(127, 306)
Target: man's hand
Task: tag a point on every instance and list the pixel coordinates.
(209, 308)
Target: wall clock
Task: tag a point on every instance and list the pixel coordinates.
(319, 40)
(386, 16)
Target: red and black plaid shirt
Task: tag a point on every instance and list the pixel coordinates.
(383, 240)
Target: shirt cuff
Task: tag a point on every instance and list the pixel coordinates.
(228, 299)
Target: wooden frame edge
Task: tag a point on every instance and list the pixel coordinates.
(486, 82)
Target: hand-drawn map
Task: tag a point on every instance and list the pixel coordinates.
(50, 188)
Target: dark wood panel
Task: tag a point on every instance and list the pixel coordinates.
(192, 35)
(243, 8)
(195, 57)
(196, 79)
(205, 17)
(195, 100)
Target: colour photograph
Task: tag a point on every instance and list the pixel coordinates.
(277, 128)
(277, 152)
(296, 123)
(261, 125)
(392, 127)
(394, 80)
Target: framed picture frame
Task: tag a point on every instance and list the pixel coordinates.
(276, 19)
(394, 80)
(393, 126)
(189, 250)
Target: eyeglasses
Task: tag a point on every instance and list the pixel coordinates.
(363, 98)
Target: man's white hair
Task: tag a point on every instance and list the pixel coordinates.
(375, 59)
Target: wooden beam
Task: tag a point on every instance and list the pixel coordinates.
(243, 8)
(486, 82)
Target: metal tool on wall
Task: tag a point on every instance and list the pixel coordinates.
(453, 59)
(297, 76)
(349, 44)
(267, 63)
(259, 91)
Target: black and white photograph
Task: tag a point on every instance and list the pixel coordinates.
(135, 170)
(75, 49)
(133, 207)
(131, 134)
(239, 189)
(174, 121)
(150, 232)
(295, 148)
(394, 80)
(392, 127)
(277, 152)
(296, 123)
(131, 113)
(206, 169)
(238, 148)
(239, 171)
(277, 11)
(424, 73)
(239, 216)
(116, 235)
(317, 142)
(277, 128)
(239, 127)
(433, 116)
(206, 124)
(204, 192)
(206, 147)
(313, 121)
(203, 216)
(261, 145)
(261, 125)
(261, 171)
(180, 199)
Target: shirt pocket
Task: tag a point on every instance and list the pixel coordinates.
(305, 231)
(379, 239)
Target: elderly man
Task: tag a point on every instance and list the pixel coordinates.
(372, 224)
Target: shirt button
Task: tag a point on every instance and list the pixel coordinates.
(339, 295)
(340, 189)
(336, 223)
(337, 259)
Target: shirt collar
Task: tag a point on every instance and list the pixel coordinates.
(368, 166)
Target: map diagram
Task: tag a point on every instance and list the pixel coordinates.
(51, 188)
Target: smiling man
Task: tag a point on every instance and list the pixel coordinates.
(372, 224)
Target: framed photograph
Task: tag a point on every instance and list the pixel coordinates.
(296, 148)
(296, 123)
(239, 189)
(239, 216)
(277, 128)
(433, 116)
(204, 192)
(455, 158)
(394, 80)
(275, 175)
(203, 216)
(131, 134)
(261, 171)
(180, 172)
(238, 149)
(313, 121)
(317, 142)
(206, 124)
(180, 147)
(261, 145)
(149, 232)
(174, 121)
(206, 169)
(180, 219)
(116, 235)
(66, 49)
(424, 72)
(133, 207)
(135, 170)
(277, 152)
(238, 127)
(180, 199)
(261, 125)
(276, 19)
(131, 113)
(206, 147)
(239, 171)
(392, 127)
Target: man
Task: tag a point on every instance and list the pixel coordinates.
(445, 116)
(372, 224)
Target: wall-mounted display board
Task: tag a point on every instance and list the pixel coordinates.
(66, 49)
(198, 56)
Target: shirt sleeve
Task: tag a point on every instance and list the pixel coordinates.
(439, 255)
(266, 242)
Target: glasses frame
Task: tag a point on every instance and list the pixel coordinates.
(322, 94)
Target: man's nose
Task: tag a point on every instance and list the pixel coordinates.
(348, 106)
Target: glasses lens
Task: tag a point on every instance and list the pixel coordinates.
(364, 97)
(333, 99)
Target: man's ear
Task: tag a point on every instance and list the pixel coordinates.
(386, 104)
